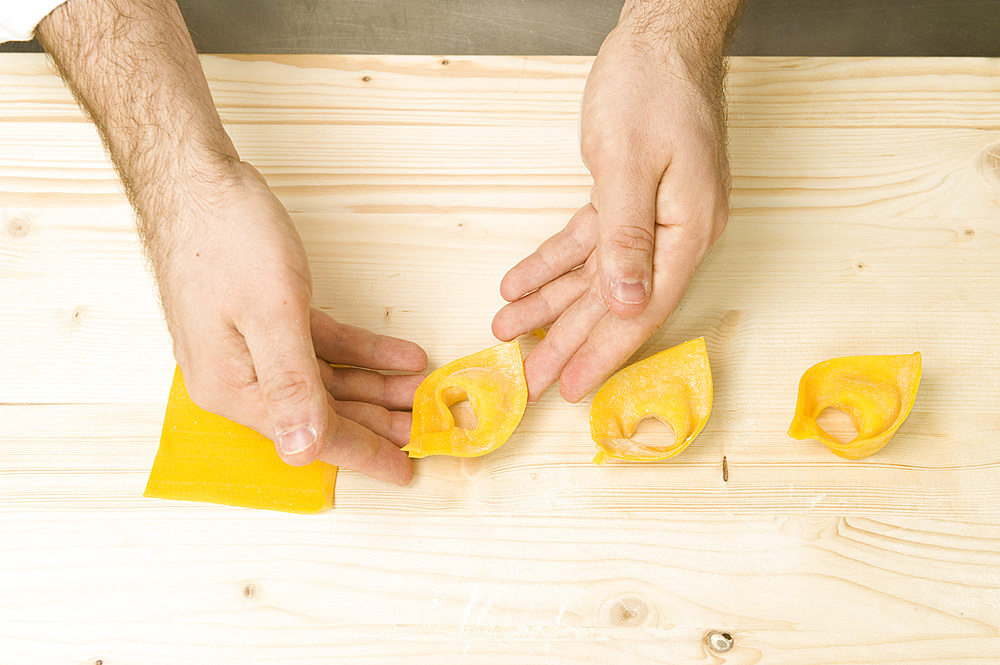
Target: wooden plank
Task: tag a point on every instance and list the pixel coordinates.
(821, 234)
(224, 585)
(98, 456)
(864, 221)
(915, 184)
(803, 92)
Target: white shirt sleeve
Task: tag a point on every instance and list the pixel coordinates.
(18, 18)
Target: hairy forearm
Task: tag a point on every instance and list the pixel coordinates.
(133, 68)
(703, 26)
(691, 36)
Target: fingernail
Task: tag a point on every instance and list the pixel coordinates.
(629, 291)
(295, 440)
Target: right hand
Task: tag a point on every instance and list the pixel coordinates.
(236, 288)
(653, 136)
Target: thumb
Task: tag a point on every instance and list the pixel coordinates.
(625, 200)
(291, 388)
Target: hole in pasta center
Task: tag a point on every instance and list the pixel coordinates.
(837, 424)
(653, 433)
(463, 414)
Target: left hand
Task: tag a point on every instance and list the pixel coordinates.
(653, 137)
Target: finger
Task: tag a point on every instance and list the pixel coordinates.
(546, 361)
(392, 425)
(353, 446)
(349, 345)
(361, 385)
(542, 307)
(288, 380)
(626, 221)
(615, 338)
(556, 256)
(613, 341)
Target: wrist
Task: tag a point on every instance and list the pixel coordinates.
(686, 42)
(711, 20)
(172, 188)
(694, 33)
(174, 177)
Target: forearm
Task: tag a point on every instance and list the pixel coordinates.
(692, 34)
(688, 40)
(702, 25)
(133, 68)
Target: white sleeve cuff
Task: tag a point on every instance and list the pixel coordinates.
(18, 18)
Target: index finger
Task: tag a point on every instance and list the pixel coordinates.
(355, 447)
(343, 344)
(558, 255)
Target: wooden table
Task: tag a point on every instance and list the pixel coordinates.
(865, 220)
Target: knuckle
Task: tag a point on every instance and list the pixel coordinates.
(382, 419)
(606, 152)
(598, 148)
(597, 144)
(616, 150)
(631, 239)
(381, 388)
(287, 387)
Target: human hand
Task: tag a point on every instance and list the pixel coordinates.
(653, 137)
(236, 289)
(231, 268)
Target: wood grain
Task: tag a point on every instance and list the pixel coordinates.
(865, 220)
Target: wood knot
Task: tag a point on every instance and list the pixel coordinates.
(250, 591)
(628, 611)
(860, 266)
(76, 316)
(366, 79)
(98, 662)
(446, 62)
(18, 227)
(989, 165)
(969, 232)
(719, 641)
(731, 317)
(728, 323)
